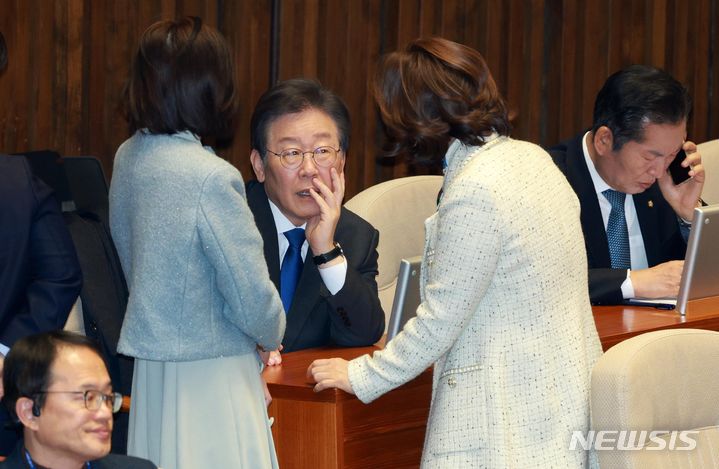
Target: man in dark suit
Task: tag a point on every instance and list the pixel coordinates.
(321, 257)
(635, 219)
(57, 387)
(39, 271)
(40, 276)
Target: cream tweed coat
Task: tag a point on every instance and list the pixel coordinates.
(505, 316)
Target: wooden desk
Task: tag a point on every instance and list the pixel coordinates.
(332, 429)
(617, 323)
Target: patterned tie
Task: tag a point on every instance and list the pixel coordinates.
(291, 266)
(617, 234)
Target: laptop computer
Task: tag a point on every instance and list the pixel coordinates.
(700, 277)
(406, 295)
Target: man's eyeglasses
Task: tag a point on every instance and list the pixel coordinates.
(93, 399)
(292, 158)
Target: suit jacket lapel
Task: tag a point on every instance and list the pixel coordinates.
(260, 206)
(16, 459)
(644, 204)
(595, 236)
(309, 289)
(310, 286)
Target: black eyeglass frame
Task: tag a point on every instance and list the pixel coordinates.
(114, 398)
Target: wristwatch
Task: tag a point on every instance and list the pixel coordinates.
(328, 256)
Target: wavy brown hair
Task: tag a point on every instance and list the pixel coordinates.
(435, 90)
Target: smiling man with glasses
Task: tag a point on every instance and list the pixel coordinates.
(321, 257)
(57, 387)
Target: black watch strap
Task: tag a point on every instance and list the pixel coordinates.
(328, 256)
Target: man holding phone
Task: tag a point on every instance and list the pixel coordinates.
(635, 217)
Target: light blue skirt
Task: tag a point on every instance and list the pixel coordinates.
(200, 414)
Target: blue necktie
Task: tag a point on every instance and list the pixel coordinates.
(291, 266)
(617, 234)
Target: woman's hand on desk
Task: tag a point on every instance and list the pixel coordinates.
(330, 373)
(272, 357)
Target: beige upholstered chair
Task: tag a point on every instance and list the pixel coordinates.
(397, 208)
(660, 381)
(710, 160)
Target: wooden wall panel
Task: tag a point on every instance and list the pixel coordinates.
(69, 60)
(247, 26)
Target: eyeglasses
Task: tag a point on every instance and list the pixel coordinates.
(292, 158)
(93, 399)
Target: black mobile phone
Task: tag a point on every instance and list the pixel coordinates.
(678, 172)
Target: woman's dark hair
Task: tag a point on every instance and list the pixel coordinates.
(182, 78)
(293, 96)
(3, 52)
(433, 91)
(636, 96)
(27, 368)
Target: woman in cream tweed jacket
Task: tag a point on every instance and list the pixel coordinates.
(505, 315)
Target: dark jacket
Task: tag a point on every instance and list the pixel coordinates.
(16, 460)
(40, 276)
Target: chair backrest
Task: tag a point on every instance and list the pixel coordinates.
(78, 182)
(397, 209)
(710, 161)
(88, 185)
(662, 381)
(49, 167)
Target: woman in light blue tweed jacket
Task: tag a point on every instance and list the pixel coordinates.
(201, 300)
(505, 315)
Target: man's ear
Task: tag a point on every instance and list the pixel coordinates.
(258, 166)
(603, 140)
(23, 409)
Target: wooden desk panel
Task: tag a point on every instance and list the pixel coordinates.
(333, 429)
(618, 323)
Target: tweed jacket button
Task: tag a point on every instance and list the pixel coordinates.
(451, 382)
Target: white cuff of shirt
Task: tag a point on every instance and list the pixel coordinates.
(334, 276)
(627, 286)
(4, 349)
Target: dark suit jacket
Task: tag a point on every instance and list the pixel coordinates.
(353, 317)
(659, 224)
(40, 276)
(16, 460)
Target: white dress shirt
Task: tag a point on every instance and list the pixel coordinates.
(332, 276)
(636, 242)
